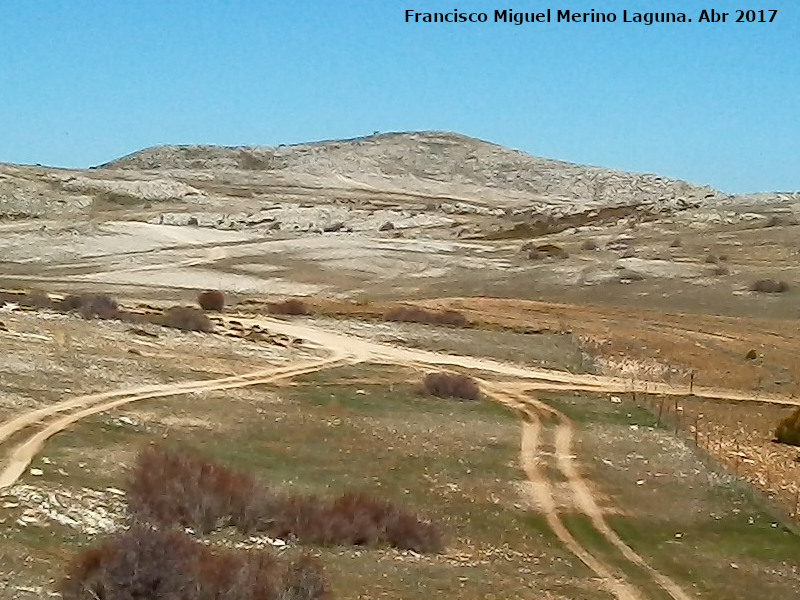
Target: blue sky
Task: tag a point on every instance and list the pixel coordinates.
(82, 82)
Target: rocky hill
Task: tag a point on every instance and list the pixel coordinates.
(425, 175)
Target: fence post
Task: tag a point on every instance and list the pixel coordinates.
(677, 417)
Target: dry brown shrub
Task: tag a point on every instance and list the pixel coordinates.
(719, 270)
(186, 318)
(788, 430)
(352, 519)
(290, 306)
(147, 564)
(451, 385)
(676, 243)
(169, 488)
(211, 300)
(35, 299)
(538, 251)
(711, 258)
(416, 314)
(590, 244)
(769, 286)
(90, 306)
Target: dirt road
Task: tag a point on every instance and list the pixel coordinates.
(346, 349)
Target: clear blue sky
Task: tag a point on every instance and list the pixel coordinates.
(82, 82)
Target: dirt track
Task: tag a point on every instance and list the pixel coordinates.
(344, 349)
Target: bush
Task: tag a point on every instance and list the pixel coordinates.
(90, 306)
(788, 430)
(35, 299)
(590, 244)
(211, 300)
(416, 314)
(451, 385)
(676, 243)
(769, 286)
(168, 488)
(719, 270)
(146, 564)
(353, 519)
(186, 318)
(540, 251)
(291, 306)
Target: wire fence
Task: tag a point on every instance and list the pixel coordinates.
(730, 445)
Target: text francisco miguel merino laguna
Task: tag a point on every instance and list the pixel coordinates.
(592, 16)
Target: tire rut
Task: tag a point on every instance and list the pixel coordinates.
(581, 495)
(19, 458)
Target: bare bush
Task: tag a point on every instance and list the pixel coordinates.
(769, 286)
(186, 318)
(451, 385)
(788, 430)
(168, 488)
(353, 519)
(177, 488)
(719, 270)
(676, 243)
(35, 299)
(417, 314)
(147, 564)
(539, 251)
(211, 300)
(90, 306)
(590, 244)
(711, 259)
(290, 306)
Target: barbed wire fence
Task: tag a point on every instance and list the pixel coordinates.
(723, 445)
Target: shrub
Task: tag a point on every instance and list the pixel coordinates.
(676, 243)
(590, 244)
(451, 385)
(35, 299)
(353, 519)
(788, 430)
(146, 564)
(211, 300)
(416, 314)
(168, 488)
(291, 306)
(711, 259)
(539, 251)
(769, 286)
(719, 270)
(90, 306)
(751, 354)
(186, 318)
